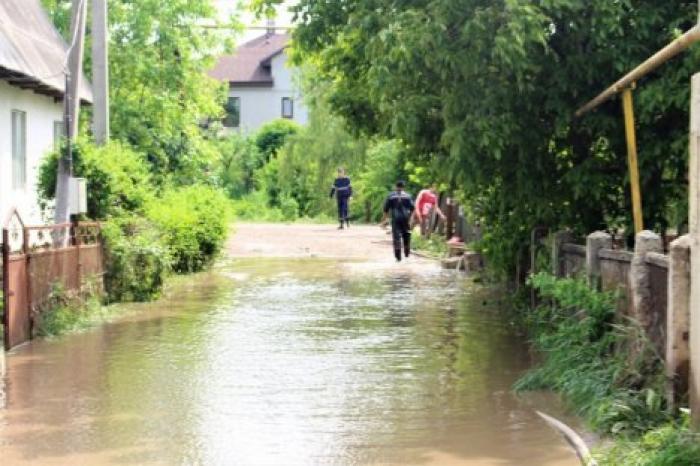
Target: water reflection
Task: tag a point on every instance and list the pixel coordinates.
(284, 363)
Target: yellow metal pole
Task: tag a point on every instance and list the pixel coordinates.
(632, 159)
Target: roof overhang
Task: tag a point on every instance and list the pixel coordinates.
(25, 82)
(233, 84)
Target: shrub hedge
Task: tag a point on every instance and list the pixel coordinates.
(118, 180)
(193, 222)
(137, 259)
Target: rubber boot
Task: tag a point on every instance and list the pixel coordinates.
(397, 254)
(347, 223)
(341, 225)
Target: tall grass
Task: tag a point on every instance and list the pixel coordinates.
(608, 371)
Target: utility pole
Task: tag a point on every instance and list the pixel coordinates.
(71, 109)
(694, 227)
(100, 72)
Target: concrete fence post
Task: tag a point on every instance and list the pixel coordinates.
(640, 277)
(594, 243)
(560, 238)
(678, 321)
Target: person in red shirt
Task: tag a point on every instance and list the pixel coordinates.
(426, 201)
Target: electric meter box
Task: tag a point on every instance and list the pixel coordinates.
(78, 196)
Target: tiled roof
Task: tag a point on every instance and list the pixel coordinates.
(32, 52)
(250, 63)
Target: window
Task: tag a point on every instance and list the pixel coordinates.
(19, 149)
(233, 113)
(57, 134)
(287, 107)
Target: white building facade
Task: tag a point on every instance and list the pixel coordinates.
(261, 84)
(30, 124)
(32, 59)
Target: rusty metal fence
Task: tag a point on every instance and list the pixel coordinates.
(38, 259)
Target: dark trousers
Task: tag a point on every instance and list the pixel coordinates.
(400, 231)
(342, 208)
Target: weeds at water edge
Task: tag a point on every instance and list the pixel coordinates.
(67, 313)
(606, 370)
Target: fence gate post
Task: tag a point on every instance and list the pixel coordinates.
(677, 321)
(640, 279)
(594, 243)
(694, 226)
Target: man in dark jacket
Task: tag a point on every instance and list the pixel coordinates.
(400, 205)
(342, 189)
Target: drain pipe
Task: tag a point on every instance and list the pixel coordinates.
(574, 439)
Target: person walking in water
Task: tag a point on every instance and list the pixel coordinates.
(400, 205)
(426, 202)
(342, 189)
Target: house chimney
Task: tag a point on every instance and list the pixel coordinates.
(270, 26)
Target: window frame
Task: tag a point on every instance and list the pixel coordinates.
(290, 116)
(227, 118)
(18, 122)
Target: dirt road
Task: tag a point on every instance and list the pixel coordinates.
(299, 240)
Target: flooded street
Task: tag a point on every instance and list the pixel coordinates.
(297, 361)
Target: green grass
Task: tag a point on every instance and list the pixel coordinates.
(672, 444)
(433, 246)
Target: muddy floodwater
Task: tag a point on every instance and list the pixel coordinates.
(285, 362)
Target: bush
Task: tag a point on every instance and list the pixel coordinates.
(194, 222)
(289, 208)
(118, 179)
(254, 208)
(137, 259)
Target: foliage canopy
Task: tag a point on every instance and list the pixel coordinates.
(486, 90)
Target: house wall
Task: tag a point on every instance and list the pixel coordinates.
(260, 105)
(41, 112)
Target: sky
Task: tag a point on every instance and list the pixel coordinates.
(228, 7)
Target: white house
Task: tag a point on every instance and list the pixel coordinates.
(261, 85)
(32, 55)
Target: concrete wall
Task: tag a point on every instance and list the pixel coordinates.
(260, 105)
(572, 260)
(641, 279)
(615, 276)
(41, 112)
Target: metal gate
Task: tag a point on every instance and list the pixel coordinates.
(16, 318)
(35, 260)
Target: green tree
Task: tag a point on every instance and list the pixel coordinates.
(161, 96)
(271, 136)
(240, 159)
(486, 90)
